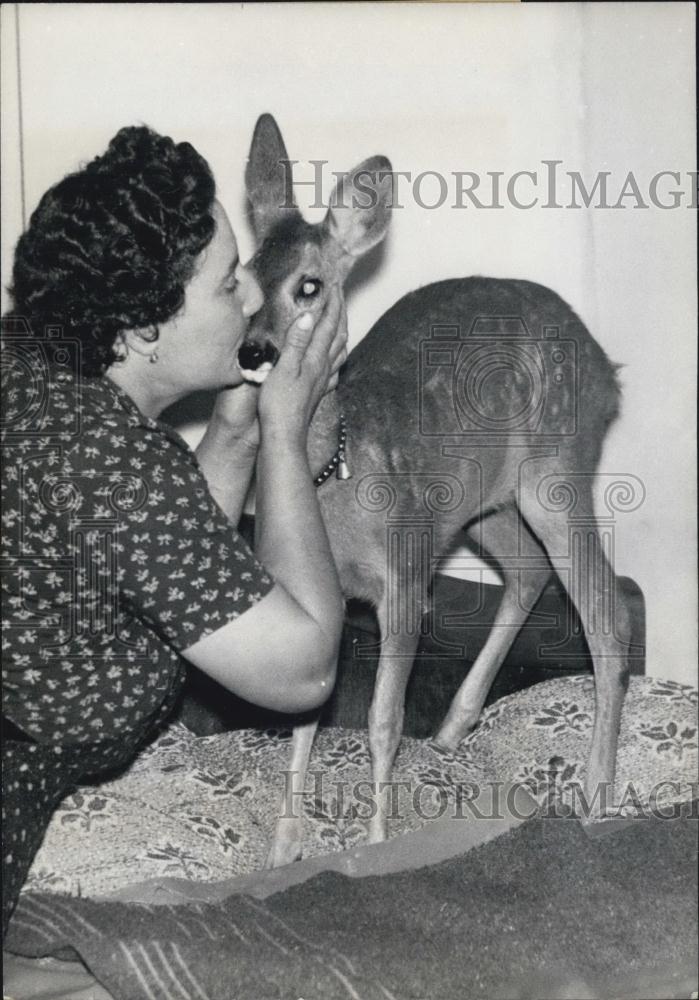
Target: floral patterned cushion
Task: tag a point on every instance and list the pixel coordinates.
(204, 808)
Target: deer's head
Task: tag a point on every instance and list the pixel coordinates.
(297, 262)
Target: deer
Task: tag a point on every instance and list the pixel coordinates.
(474, 405)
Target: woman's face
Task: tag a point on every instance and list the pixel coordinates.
(198, 348)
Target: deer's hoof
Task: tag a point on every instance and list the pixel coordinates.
(376, 832)
(602, 825)
(283, 853)
(452, 733)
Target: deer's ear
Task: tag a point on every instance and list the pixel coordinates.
(360, 206)
(268, 177)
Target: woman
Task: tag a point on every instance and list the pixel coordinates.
(122, 557)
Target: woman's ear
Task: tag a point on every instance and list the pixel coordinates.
(142, 341)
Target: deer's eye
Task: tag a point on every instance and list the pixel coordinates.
(309, 288)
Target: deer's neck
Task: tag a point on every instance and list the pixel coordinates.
(323, 432)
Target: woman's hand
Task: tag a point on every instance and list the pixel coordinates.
(306, 370)
(235, 414)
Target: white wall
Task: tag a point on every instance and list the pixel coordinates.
(444, 88)
(644, 268)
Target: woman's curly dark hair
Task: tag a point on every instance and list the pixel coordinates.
(112, 246)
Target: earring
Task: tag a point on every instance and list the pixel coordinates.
(153, 358)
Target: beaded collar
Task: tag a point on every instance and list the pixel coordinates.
(337, 463)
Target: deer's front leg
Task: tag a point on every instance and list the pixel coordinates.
(288, 833)
(386, 723)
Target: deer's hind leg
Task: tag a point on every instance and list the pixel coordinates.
(572, 541)
(525, 571)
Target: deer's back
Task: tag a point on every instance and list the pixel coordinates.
(482, 346)
(410, 420)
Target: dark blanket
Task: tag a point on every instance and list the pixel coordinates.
(542, 911)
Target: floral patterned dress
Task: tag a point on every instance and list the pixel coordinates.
(115, 558)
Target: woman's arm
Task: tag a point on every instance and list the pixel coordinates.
(228, 451)
(282, 652)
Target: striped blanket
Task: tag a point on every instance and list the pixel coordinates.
(542, 911)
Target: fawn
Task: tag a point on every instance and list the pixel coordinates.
(473, 403)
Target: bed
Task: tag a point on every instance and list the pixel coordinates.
(488, 886)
